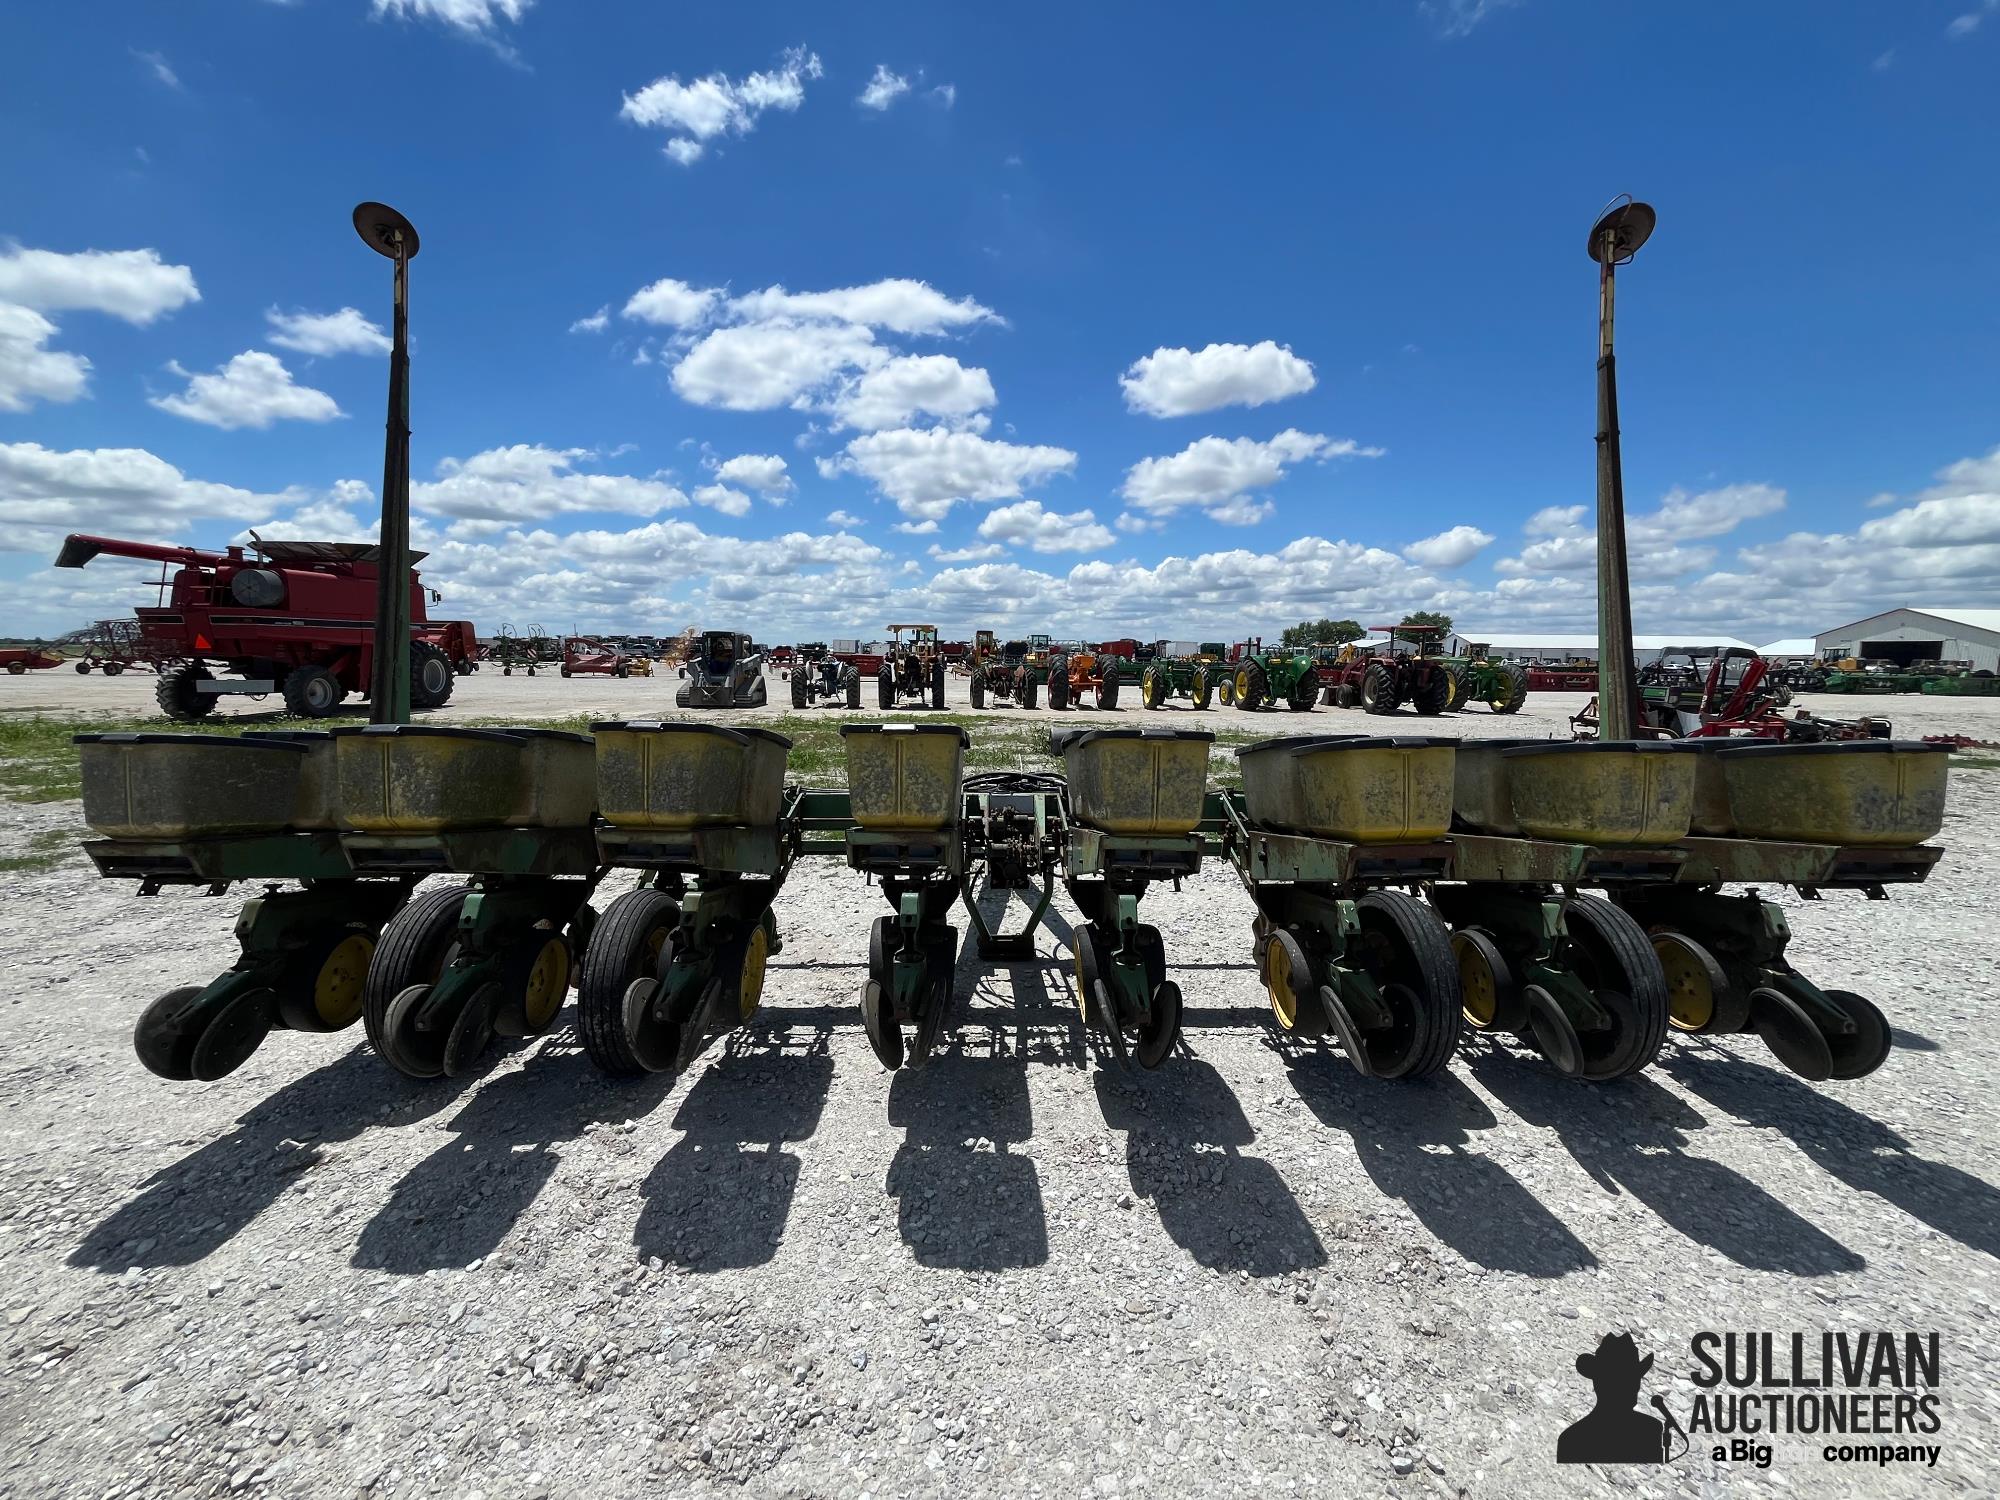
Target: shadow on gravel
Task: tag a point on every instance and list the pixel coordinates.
(1184, 1134)
(718, 1200)
(457, 1204)
(1632, 1136)
(191, 1209)
(1911, 1041)
(1862, 1152)
(963, 1200)
(1411, 1137)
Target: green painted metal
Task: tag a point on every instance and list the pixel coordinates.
(221, 861)
(476, 851)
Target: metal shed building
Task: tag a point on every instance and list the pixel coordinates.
(1911, 635)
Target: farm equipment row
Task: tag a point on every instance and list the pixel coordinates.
(1569, 896)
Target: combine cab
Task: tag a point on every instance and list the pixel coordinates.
(912, 673)
(1000, 672)
(725, 672)
(819, 677)
(298, 618)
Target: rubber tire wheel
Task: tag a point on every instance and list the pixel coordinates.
(1251, 689)
(885, 688)
(1059, 683)
(1434, 694)
(1107, 692)
(1378, 689)
(882, 942)
(1517, 692)
(1509, 1014)
(1304, 694)
(1413, 951)
(977, 688)
(176, 695)
(113, 668)
(1200, 692)
(937, 684)
(1347, 695)
(878, 1022)
(1618, 959)
(231, 1035)
(799, 689)
(853, 682)
(616, 956)
(431, 677)
(162, 1038)
(1868, 1048)
(312, 692)
(411, 951)
(83, 667)
(1308, 1015)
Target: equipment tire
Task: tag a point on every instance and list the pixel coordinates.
(1107, 692)
(1201, 691)
(1059, 683)
(1435, 693)
(176, 695)
(1378, 689)
(799, 688)
(885, 687)
(431, 677)
(312, 692)
(1251, 688)
(1412, 952)
(622, 949)
(853, 681)
(1617, 961)
(411, 951)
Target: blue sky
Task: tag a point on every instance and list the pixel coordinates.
(1094, 319)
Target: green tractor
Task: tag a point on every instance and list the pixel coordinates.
(1261, 679)
(1477, 678)
(1177, 670)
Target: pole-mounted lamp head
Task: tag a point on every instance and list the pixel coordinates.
(1617, 235)
(385, 231)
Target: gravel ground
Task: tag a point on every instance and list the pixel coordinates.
(1012, 1272)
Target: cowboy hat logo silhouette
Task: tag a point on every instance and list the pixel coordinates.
(1612, 1432)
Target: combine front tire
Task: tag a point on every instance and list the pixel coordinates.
(312, 693)
(1378, 689)
(431, 677)
(177, 695)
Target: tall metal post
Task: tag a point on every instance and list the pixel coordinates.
(1614, 239)
(388, 232)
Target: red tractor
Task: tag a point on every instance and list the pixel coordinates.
(1408, 669)
(298, 618)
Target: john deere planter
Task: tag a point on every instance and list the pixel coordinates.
(513, 810)
(703, 812)
(208, 810)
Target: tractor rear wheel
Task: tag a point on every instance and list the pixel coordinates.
(1026, 682)
(1378, 689)
(1304, 693)
(885, 687)
(1153, 687)
(312, 692)
(799, 687)
(1250, 686)
(1510, 701)
(1202, 689)
(431, 677)
(937, 684)
(1461, 687)
(1107, 689)
(177, 695)
(1434, 692)
(1059, 683)
(977, 688)
(851, 680)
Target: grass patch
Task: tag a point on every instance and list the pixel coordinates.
(46, 850)
(1963, 762)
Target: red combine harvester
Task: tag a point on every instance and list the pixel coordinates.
(298, 618)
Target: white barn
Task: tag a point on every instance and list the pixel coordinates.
(1645, 648)
(1911, 635)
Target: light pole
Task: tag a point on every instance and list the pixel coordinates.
(1614, 239)
(389, 233)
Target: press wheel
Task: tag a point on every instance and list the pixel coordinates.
(1700, 997)
(472, 1030)
(232, 1034)
(1860, 1052)
(1089, 975)
(1612, 955)
(941, 957)
(411, 1051)
(1407, 950)
(1291, 985)
(1162, 1026)
(324, 992)
(1791, 1034)
(166, 1031)
(878, 1019)
(1489, 995)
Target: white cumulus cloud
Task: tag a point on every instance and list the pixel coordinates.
(698, 111)
(898, 390)
(135, 285)
(896, 304)
(124, 491)
(764, 365)
(928, 470)
(528, 482)
(721, 497)
(348, 331)
(252, 390)
(763, 472)
(1449, 549)
(1180, 382)
(1026, 523)
(480, 19)
(843, 520)
(29, 372)
(1213, 471)
(671, 303)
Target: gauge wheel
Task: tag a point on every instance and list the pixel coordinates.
(166, 1032)
(1489, 995)
(1700, 997)
(324, 990)
(411, 951)
(1406, 949)
(1612, 955)
(629, 945)
(1858, 1053)
(1292, 986)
